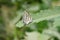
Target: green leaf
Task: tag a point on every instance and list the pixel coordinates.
(56, 21)
(20, 24)
(43, 15)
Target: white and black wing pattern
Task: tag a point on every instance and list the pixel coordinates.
(27, 18)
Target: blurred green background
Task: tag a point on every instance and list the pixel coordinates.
(45, 23)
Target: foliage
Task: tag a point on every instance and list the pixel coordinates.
(41, 12)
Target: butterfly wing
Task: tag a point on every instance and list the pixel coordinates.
(27, 18)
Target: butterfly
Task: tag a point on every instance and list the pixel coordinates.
(27, 17)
